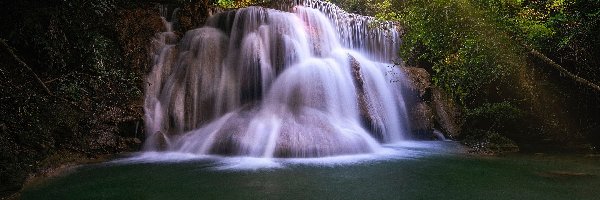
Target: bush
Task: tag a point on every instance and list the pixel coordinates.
(457, 43)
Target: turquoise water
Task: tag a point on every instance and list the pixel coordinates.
(422, 170)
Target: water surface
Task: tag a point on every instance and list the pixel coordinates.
(421, 170)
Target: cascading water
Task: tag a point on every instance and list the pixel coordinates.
(267, 83)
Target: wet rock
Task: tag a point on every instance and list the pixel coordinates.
(414, 84)
(447, 113)
(418, 81)
(228, 139)
(429, 107)
(421, 121)
(163, 143)
(309, 135)
(367, 116)
(439, 135)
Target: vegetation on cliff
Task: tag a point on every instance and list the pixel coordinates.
(523, 71)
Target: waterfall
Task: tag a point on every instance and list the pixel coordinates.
(305, 82)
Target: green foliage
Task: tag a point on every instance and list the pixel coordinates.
(566, 31)
(362, 7)
(472, 44)
(478, 51)
(458, 44)
(229, 4)
(225, 3)
(381, 9)
(469, 56)
(386, 11)
(493, 116)
(72, 44)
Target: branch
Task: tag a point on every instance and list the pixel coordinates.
(41, 83)
(23, 64)
(563, 70)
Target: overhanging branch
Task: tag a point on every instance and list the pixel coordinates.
(23, 64)
(37, 78)
(562, 70)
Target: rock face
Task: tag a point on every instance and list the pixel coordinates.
(430, 108)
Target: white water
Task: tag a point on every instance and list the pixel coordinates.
(397, 151)
(265, 83)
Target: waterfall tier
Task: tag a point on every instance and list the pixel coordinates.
(267, 83)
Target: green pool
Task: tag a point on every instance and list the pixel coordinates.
(417, 170)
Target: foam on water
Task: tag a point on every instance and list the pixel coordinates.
(390, 152)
